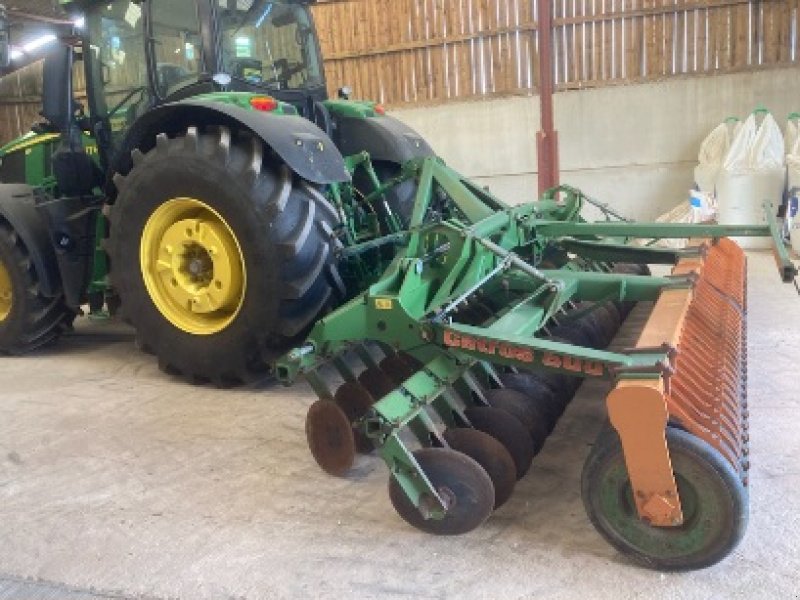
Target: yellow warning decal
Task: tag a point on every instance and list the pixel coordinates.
(384, 304)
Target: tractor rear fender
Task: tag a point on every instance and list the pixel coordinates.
(384, 138)
(303, 146)
(18, 209)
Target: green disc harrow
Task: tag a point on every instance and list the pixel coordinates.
(455, 363)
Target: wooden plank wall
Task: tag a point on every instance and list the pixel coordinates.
(404, 52)
(20, 101)
(411, 51)
(419, 51)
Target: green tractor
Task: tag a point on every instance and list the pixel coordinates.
(190, 189)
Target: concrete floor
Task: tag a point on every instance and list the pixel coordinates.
(117, 481)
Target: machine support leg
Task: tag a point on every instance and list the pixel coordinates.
(639, 414)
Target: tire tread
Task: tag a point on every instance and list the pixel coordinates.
(296, 215)
(44, 319)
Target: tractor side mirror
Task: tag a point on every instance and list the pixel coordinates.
(57, 101)
(5, 39)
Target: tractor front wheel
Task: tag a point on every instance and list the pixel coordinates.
(221, 258)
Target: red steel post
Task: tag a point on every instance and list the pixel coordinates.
(547, 137)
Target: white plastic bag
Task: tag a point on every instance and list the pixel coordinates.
(680, 214)
(792, 132)
(698, 209)
(793, 164)
(712, 152)
(754, 171)
(756, 147)
(704, 206)
(793, 153)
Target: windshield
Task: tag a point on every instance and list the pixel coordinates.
(118, 63)
(270, 43)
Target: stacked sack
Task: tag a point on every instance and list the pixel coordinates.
(712, 154)
(754, 171)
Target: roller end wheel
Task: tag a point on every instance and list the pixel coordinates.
(714, 502)
(491, 455)
(460, 480)
(330, 437)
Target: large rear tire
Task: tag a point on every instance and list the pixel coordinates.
(222, 259)
(28, 320)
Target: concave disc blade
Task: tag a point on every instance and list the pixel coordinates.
(515, 403)
(355, 401)
(488, 453)
(377, 383)
(608, 317)
(460, 480)
(397, 369)
(330, 437)
(411, 361)
(536, 393)
(506, 429)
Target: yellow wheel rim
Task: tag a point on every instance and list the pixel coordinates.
(6, 293)
(193, 266)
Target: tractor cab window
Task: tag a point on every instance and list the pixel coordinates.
(270, 43)
(118, 64)
(177, 44)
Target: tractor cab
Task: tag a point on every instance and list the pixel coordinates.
(270, 45)
(141, 54)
